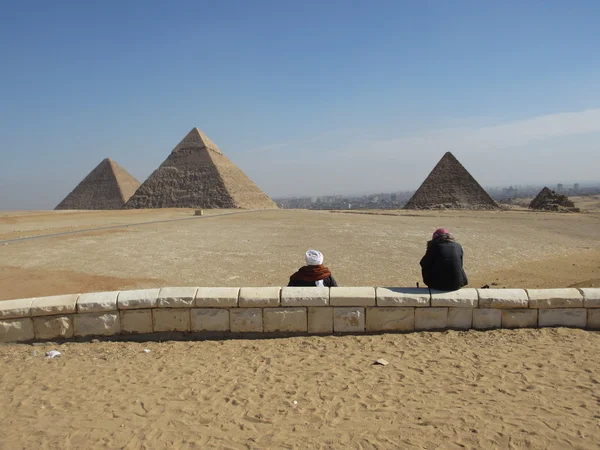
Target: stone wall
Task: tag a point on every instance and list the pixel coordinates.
(221, 310)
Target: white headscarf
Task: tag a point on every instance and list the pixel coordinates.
(314, 258)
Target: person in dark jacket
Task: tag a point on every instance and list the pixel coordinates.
(314, 273)
(442, 265)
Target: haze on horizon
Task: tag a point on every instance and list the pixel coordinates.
(314, 98)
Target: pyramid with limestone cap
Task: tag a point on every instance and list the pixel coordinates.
(450, 185)
(108, 186)
(198, 175)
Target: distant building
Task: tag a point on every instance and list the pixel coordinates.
(576, 187)
(559, 187)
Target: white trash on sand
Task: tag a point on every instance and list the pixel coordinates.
(381, 362)
(53, 354)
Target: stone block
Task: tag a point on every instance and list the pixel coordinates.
(289, 320)
(15, 309)
(136, 321)
(591, 297)
(593, 319)
(520, 318)
(349, 319)
(390, 319)
(555, 298)
(51, 306)
(460, 318)
(138, 299)
(97, 324)
(486, 318)
(176, 297)
(210, 319)
(217, 297)
(320, 320)
(461, 298)
(53, 327)
(398, 296)
(16, 330)
(305, 296)
(259, 297)
(431, 319)
(503, 298)
(352, 296)
(246, 320)
(97, 302)
(563, 317)
(171, 319)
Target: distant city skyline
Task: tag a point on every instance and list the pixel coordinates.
(552, 185)
(307, 98)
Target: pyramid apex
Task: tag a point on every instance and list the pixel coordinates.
(197, 139)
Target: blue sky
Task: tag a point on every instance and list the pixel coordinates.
(307, 97)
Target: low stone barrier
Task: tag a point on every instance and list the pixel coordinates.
(298, 310)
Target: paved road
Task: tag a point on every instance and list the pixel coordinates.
(112, 227)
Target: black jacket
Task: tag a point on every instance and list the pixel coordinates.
(327, 282)
(442, 266)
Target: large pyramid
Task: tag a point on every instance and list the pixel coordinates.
(197, 175)
(108, 186)
(450, 185)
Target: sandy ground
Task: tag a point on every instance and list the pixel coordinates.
(535, 389)
(498, 389)
(505, 249)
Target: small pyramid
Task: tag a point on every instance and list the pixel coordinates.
(450, 185)
(108, 186)
(198, 175)
(549, 200)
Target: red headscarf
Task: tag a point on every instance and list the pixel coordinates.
(440, 232)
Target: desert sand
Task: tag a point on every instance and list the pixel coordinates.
(502, 248)
(494, 389)
(498, 389)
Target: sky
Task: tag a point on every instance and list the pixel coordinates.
(308, 98)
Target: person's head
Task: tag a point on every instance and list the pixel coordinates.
(314, 258)
(441, 232)
(440, 235)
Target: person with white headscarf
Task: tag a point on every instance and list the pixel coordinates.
(314, 273)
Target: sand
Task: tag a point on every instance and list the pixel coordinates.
(497, 389)
(504, 248)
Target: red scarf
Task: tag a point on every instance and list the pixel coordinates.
(311, 273)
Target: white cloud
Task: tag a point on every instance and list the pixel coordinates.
(533, 150)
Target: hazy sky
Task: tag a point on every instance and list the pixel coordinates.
(307, 97)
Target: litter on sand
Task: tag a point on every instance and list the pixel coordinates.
(53, 354)
(146, 350)
(381, 362)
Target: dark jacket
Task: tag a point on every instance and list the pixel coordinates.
(327, 282)
(442, 266)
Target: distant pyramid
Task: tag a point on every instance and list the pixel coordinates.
(450, 185)
(108, 186)
(197, 175)
(549, 200)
